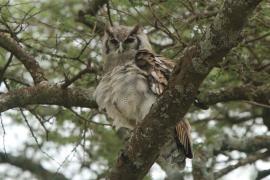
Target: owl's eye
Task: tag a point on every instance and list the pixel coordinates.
(130, 40)
(114, 41)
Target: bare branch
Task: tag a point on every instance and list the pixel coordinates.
(2, 71)
(263, 174)
(29, 165)
(28, 60)
(68, 82)
(257, 38)
(47, 94)
(93, 8)
(260, 94)
(223, 143)
(250, 144)
(250, 159)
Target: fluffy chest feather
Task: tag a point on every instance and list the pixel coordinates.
(125, 94)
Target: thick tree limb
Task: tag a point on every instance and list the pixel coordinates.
(263, 174)
(249, 144)
(53, 95)
(227, 118)
(266, 117)
(149, 136)
(28, 165)
(28, 60)
(250, 159)
(47, 94)
(260, 94)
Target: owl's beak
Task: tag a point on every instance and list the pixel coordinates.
(120, 49)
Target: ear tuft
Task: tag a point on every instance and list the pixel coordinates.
(108, 30)
(135, 30)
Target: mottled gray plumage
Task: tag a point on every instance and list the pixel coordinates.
(124, 91)
(133, 78)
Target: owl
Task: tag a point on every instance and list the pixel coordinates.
(134, 77)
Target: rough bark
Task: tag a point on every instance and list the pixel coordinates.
(55, 95)
(149, 136)
(47, 94)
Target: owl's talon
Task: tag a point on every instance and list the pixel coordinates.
(200, 104)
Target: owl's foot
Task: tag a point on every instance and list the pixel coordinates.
(200, 104)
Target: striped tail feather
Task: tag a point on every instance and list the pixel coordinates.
(183, 139)
(178, 148)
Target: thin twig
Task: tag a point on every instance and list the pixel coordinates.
(250, 159)
(258, 104)
(41, 121)
(109, 13)
(71, 152)
(76, 77)
(35, 138)
(88, 120)
(30, 128)
(257, 38)
(2, 73)
(4, 134)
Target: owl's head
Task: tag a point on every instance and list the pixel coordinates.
(123, 39)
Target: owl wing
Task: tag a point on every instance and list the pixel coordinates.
(183, 138)
(158, 70)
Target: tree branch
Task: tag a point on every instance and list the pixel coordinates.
(56, 95)
(92, 10)
(250, 159)
(28, 60)
(149, 136)
(249, 144)
(28, 165)
(260, 94)
(2, 71)
(263, 174)
(47, 94)
(224, 143)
